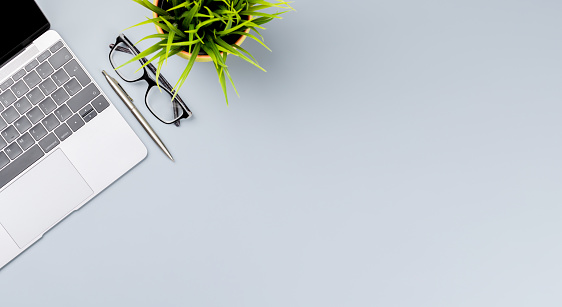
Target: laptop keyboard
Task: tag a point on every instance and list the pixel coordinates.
(41, 106)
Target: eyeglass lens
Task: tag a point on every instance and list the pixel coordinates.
(159, 101)
(131, 71)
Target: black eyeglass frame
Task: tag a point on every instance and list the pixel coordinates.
(177, 101)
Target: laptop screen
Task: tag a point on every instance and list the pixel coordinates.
(20, 32)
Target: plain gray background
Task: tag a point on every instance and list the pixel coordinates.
(396, 153)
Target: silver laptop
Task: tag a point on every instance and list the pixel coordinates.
(61, 141)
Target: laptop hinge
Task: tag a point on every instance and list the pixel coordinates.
(20, 59)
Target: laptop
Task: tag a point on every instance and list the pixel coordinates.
(61, 140)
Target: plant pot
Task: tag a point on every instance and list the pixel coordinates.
(201, 57)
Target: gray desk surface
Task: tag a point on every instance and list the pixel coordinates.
(396, 153)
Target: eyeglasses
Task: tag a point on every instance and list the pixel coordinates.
(160, 100)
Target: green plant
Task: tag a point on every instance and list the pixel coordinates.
(208, 27)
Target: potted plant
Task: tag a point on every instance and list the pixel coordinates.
(209, 29)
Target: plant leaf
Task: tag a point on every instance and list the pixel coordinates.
(187, 69)
(252, 37)
(231, 49)
(172, 28)
(152, 7)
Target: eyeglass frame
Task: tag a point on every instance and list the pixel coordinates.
(177, 101)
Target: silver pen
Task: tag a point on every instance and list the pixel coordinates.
(129, 103)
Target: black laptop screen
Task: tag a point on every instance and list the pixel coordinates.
(21, 31)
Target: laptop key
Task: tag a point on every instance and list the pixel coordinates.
(38, 132)
(63, 132)
(31, 65)
(47, 87)
(83, 97)
(60, 77)
(35, 95)
(32, 79)
(6, 84)
(63, 113)
(75, 122)
(23, 105)
(22, 124)
(13, 151)
(88, 113)
(18, 75)
(58, 59)
(35, 115)
(47, 105)
(100, 104)
(56, 46)
(25, 141)
(3, 123)
(7, 98)
(50, 122)
(43, 56)
(20, 88)
(20, 164)
(10, 134)
(72, 87)
(4, 160)
(44, 70)
(49, 142)
(60, 96)
(10, 115)
(74, 70)
(2, 143)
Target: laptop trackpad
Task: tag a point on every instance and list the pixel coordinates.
(39, 199)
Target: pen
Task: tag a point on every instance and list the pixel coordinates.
(129, 103)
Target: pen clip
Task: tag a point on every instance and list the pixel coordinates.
(125, 92)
